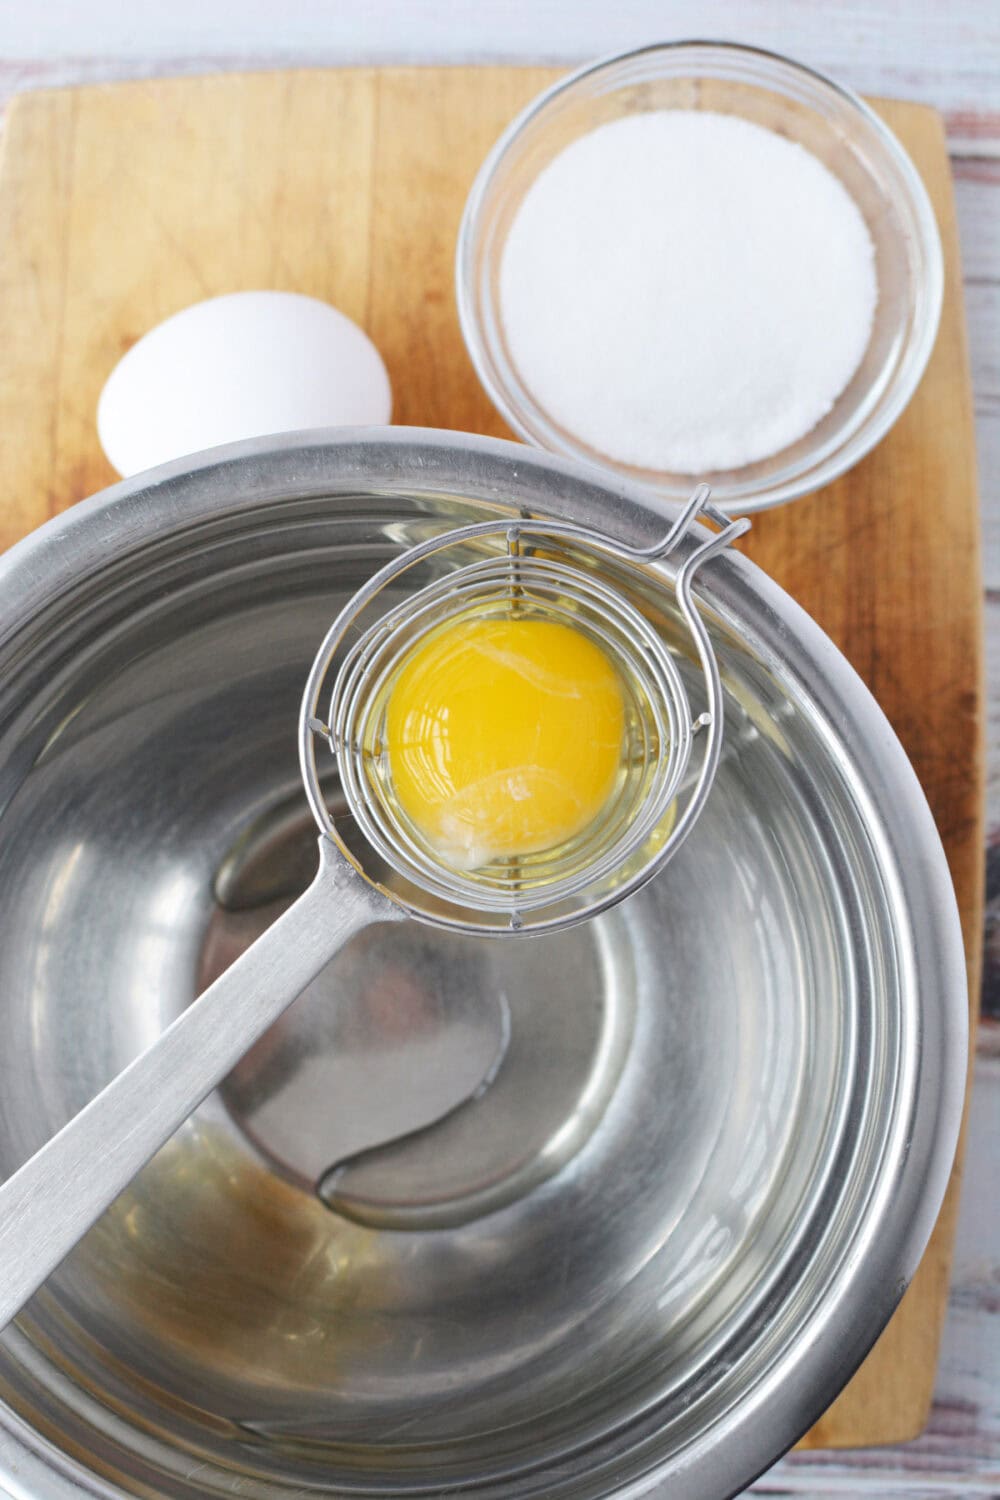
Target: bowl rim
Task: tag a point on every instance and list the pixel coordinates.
(905, 379)
(868, 1281)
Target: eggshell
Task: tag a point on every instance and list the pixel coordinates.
(248, 364)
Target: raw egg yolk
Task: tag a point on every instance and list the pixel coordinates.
(504, 736)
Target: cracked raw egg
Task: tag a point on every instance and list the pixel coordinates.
(504, 736)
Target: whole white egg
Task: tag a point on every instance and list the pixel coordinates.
(248, 364)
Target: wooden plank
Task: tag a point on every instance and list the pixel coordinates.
(121, 204)
(944, 54)
(992, 632)
(433, 131)
(39, 143)
(977, 200)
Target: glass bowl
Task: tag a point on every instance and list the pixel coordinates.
(832, 123)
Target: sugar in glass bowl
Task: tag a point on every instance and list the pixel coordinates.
(833, 124)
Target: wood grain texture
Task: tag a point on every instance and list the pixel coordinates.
(121, 204)
(946, 54)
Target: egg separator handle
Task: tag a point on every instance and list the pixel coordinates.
(50, 1203)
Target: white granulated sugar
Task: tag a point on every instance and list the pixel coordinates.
(687, 291)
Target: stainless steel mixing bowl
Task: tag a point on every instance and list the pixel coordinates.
(713, 1153)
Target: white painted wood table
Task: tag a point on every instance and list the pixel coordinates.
(947, 55)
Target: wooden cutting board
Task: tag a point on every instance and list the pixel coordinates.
(121, 204)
